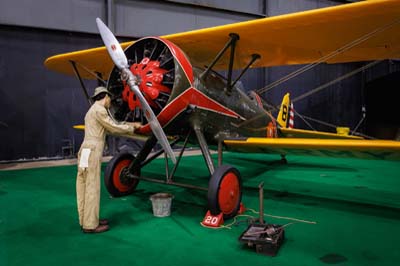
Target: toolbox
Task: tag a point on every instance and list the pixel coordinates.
(266, 238)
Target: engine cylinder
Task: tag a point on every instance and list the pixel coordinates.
(152, 62)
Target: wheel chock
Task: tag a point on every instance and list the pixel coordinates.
(213, 220)
(242, 208)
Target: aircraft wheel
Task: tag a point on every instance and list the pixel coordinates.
(115, 178)
(225, 191)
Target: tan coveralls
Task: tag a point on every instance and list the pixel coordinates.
(97, 124)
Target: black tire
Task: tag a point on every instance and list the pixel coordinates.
(116, 183)
(225, 191)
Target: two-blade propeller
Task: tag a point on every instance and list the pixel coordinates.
(119, 58)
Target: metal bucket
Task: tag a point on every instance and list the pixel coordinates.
(161, 203)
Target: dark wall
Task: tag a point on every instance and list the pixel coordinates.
(38, 106)
(338, 104)
(382, 107)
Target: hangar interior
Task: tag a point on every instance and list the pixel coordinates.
(338, 210)
(37, 120)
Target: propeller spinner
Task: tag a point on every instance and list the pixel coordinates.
(120, 60)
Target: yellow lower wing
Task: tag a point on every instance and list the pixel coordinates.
(366, 149)
(301, 133)
(135, 137)
(80, 127)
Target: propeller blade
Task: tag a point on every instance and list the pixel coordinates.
(112, 45)
(151, 118)
(119, 58)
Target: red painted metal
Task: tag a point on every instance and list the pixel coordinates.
(151, 77)
(291, 116)
(229, 193)
(182, 59)
(116, 176)
(213, 220)
(179, 56)
(179, 104)
(242, 208)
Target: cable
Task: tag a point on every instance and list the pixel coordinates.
(92, 73)
(229, 226)
(305, 121)
(319, 88)
(328, 56)
(361, 120)
(285, 218)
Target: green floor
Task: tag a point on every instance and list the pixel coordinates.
(354, 204)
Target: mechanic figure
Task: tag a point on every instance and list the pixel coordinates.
(98, 123)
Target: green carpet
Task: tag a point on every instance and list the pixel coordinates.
(355, 204)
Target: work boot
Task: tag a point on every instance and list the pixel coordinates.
(98, 229)
(103, 222)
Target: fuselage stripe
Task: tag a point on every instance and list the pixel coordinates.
(193, 97)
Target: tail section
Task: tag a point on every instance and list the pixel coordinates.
(291, 116)
(283, 115)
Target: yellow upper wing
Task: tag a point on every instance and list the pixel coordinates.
(296, 38)
(95, 60)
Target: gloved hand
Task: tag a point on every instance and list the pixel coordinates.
(135, 125)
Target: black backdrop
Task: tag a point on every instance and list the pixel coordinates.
(39, 106)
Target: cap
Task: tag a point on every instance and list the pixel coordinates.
(99, 90)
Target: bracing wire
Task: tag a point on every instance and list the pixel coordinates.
(319, 88)
(328, 56)
(95, 75)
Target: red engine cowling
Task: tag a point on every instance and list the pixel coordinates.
(151, 77)
(161, 68)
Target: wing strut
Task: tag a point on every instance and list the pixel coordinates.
(234, 38)
(232, 44)
(97, 75)
(204, 149)
(254, 57)
(81, 81)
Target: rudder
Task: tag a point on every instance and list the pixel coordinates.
(283, 115)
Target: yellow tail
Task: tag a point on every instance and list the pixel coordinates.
(283, 115)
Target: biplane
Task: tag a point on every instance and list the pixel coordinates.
(172, 84)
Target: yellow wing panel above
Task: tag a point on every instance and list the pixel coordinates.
(365, 149)
(297, 38)
(95, 60)
(303, 37)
